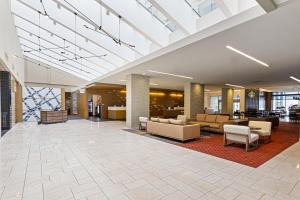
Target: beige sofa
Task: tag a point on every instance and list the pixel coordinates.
(174, 131)
(213, 123)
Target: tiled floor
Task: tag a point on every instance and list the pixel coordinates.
(87, 160)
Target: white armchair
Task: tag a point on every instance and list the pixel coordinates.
(143, 123)
(183, 118)
(264, 129)
(240, 134)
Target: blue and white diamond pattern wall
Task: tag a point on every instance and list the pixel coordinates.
(36, 99)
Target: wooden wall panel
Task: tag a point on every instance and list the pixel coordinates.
(19, 103)
(109, 97)
(268, 101)
(158, 102)
(83, 105)
(63, 99)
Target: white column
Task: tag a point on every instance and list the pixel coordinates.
(193, 99)
(137, 99)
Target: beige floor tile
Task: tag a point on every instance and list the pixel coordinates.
(90, 160)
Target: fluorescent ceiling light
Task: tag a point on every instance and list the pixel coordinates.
(295, 79)
(231, 85)
(247, 56)
(169, 74)
(264, 90)
(123, 80)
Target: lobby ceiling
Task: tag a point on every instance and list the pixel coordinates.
(273, 38)
(93, 38)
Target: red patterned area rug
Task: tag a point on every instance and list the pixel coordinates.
(282, 137)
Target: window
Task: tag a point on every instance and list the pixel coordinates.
(236, 103)
(284, 100)
(216, 104)
(262, 101)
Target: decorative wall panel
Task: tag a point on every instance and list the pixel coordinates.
(36, 99)
(251, 100)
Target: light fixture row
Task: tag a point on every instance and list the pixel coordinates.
(247, 56)
(154, 84)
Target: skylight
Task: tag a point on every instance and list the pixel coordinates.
(202, 7)
(91, 38)
(157, 14)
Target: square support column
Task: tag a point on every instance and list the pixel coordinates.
(268, 101)
(227, 101)
(137, 99)
(193, 99)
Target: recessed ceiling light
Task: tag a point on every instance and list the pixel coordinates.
(247, 56)
(295, 79)
(231, 85)
(169, 74)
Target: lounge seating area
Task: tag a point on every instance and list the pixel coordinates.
(184, 130)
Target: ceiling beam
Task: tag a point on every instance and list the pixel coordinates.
(65, 64)
(16, 15)
(72, 30)
(86, 76)
(267, 5)
(93, 63)
(140, 20)
(179, 13)
(222, 5)
(89, 22)
(29, 58)
(80, 47)
(75, 61)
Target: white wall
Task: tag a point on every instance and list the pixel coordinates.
(9, 43)
(44, 75)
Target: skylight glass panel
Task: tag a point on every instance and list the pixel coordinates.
(157, 14)
(202, 7)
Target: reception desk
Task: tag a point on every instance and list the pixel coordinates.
(117, 113)
(49, 117)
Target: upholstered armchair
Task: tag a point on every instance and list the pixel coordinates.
(241, 135)
(262, 128)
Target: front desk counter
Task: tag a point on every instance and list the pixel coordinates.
(49, 117)
(117, 113)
